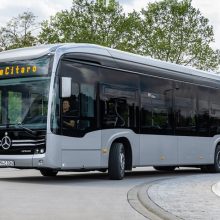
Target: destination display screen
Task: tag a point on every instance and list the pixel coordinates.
(25, 68)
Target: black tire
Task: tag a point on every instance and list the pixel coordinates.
(204, 169)
(48, 172)
(165, 168)
(215, 168)
(116, 165)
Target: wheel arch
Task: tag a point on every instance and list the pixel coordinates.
(214, 146)
(128, 150)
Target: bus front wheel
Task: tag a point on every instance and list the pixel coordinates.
(48, 172)
(116, 167)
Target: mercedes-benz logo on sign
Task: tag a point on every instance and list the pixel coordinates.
(6, 142)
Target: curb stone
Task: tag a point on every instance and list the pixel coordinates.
(139, 199)
(216, 188)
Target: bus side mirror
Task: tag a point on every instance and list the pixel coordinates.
(66, 87)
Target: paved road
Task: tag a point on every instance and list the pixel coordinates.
(25, 194)
(189, 198)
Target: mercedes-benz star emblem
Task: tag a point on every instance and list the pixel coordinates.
(6, 142)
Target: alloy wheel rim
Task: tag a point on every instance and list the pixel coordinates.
(122, 162)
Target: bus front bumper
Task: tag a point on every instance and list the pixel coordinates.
(22, 161)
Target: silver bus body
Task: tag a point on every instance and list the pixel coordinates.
(91, 152)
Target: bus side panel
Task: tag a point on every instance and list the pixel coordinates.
(81, 152)
(194, 150)
(158, 150)
(74, 153)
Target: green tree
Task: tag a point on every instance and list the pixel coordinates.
(90, 22)
(18, 32)
(175, 31)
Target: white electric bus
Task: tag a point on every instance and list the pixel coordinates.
(82, 107)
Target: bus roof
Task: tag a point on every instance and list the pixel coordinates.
(27, 52)
(37, 51)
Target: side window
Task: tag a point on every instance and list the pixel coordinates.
(119, 101)
(156, 106)
(203, 99)
(214, 122)
(185, 109)
(0, 107)
(78, 112)
(118, 106)
(87, 93)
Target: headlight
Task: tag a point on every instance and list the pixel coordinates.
(42, 150)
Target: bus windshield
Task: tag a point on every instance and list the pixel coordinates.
(24, 101)
(24, 89)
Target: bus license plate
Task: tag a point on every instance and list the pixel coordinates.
(7, 163)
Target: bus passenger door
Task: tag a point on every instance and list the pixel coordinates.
(158, 144)
(192, 119)
(119, 118)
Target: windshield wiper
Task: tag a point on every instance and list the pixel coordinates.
(28, 130)
(19, 124)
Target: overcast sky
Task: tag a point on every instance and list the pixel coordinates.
(45, 8)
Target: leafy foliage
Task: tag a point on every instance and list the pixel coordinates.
(90, 22)
(170, 30)
(18, 32)
(175, 31)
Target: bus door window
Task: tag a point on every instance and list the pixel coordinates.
(214, 112)
(87, 96)
(156, 106)
(203, 118)
(75, 99)
(116, 110)
(185, 109)
(118, 106)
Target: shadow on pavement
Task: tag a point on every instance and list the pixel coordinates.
(90, 177)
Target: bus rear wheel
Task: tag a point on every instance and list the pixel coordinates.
(48, 172)
(214, 168)
(116, 169)
(216, 165)
(164, 168)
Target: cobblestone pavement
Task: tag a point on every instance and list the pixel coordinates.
(188, 198)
